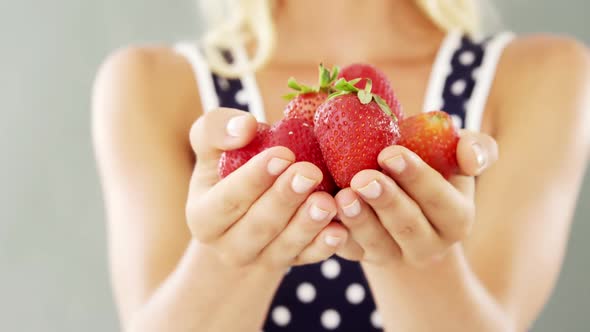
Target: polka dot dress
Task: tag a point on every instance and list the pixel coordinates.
(334, 295)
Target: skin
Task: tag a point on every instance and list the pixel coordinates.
(471, 254)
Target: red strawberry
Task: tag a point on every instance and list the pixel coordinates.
(434, 138)
(304, 106)
(298, 136)
(352, 127)
(381, 84)
(232, 160)
(294, 134)
(305, 100)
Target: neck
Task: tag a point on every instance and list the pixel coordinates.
(345, 31)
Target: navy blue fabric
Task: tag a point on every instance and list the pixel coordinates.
(454, 103)
(288, 311)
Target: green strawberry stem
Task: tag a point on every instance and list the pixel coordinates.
(326, 79)
(344, 87)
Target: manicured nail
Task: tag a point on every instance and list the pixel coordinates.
(353, 209)
(301, 184)
(332, 241)
(396, 164)
(318, 214)
(372, 190)
(277, 166)
(236, 125)
(479, 155)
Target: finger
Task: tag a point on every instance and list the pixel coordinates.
(476, 152)
(351, 250)
(315, 214)
(270, 214)
(447, 209)
(400, 215)
(325, 244)
(365, 228)
(211, 213)
(215, 132)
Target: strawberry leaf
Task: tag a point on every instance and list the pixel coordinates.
(292, 83)
(335, 72)
(365, 97)
(384, 107)
(325, 79)
(290, 96)
(344, 85)
(338, 94)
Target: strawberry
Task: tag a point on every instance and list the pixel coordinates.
(304, 106)
(352, 127)
(232, 160)
(433, 137)
(381, 84)
(294, 134)
(305, 100)
(298, 136)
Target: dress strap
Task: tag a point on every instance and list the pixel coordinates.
(462, 77)
(203, 76)
(218, 91)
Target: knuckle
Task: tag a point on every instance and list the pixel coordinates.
(228, 206)
(372, 245)
(462, 225)
(406, 227)
(264, 229)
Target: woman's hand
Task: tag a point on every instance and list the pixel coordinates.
(264, 212)
(409, 213)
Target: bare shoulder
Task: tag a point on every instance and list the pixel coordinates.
(547, 56)
(153, 82)
(544, 74)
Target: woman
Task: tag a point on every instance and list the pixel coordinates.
(413, 252)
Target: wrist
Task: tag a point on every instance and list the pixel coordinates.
(206, 258)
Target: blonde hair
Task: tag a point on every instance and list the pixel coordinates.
(236, 22)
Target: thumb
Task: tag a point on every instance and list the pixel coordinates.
(476, 152)
(212, 134)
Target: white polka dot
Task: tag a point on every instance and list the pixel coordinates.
(223, 83)
(330, 319)
(331, 268)
(242, 97)
(457, 121)
(281, 316)
(288, 270)
(466, 58)
(376, 320)
(306, 292)
(458, 87)
(355, 293)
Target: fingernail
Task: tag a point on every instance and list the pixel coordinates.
(332, 241)
(371, 190)
(353, 209)
(236, 125)
(318, 214)
(277, 166)
(301, 184)
(396, 164)
(479, 155)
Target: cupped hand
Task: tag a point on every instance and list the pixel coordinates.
(409, 213)
(265, 211)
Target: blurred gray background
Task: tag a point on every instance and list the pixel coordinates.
(53, 272)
